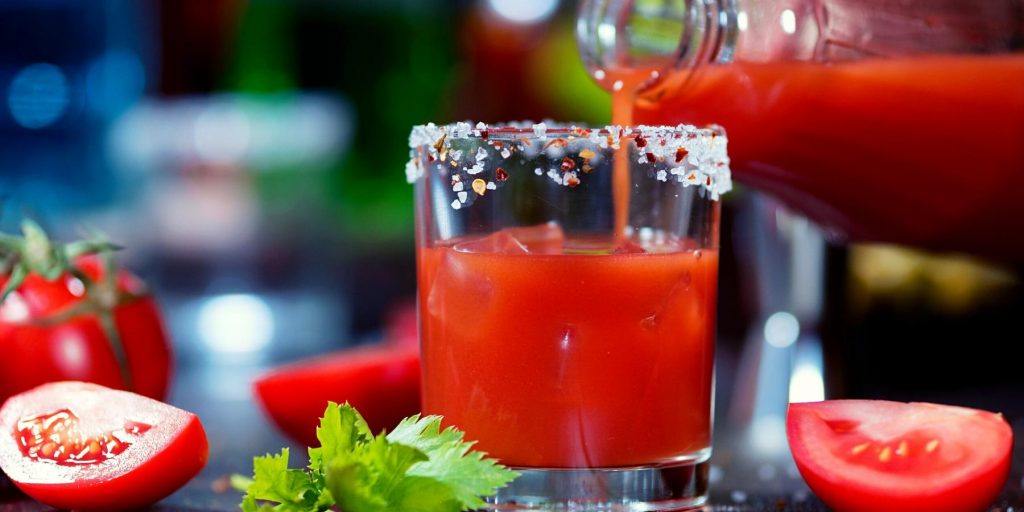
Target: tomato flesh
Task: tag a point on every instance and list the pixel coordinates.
(73, 445)
(382, 381)
(869, 455)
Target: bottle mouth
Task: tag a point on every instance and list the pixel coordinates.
(636, 44)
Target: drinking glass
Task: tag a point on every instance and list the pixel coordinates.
(567, 283)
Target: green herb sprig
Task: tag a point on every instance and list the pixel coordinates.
(417, 467)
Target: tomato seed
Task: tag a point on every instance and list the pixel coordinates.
(48, 449)
(885, 455)
(902, 450)
(56, 437)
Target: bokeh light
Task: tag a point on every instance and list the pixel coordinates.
(38, 95)
(523, 11)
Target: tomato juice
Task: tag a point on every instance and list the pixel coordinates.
(922, 150)
(559, 357)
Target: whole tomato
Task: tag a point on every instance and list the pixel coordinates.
(52, 329)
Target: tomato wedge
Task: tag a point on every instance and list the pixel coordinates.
(382, 381)
(879, 456)
(74, 445)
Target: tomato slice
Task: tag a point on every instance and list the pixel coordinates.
(382, 381)
(74, 445)
(879, 456)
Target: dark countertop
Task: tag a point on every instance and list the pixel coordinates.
(741, 481)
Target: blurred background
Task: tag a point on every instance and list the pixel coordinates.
(249, 154)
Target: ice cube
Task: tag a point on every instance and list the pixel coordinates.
(459, 286)
(541, 239)
(500, 242)
(547, 238)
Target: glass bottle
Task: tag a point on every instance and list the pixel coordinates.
(884, 120)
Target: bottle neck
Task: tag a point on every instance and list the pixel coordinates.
(637, 43)
(658, 38)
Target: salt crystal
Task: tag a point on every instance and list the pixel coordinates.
(555, 151)
(540, 130)
(456, 204)
(481, 154)
(463, 196)
(555, 176)
(460, 130)
(538, 172)
(476, 169)
(456, 155)
(662, 175)
(491, 185)
(459, 187)
(570, 179)
(413, 171)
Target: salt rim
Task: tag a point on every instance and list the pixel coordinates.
(695, 156)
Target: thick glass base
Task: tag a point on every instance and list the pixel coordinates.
(674, 486)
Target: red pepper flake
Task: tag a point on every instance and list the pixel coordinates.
(556, 142)
(681, 154)
(587, 168)
(500, 174)
(707, 181)
(568, 164)
(651, 158)
(640, 141)
(484, 134)
(661, 142)
(439, 146)
(572, 180)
